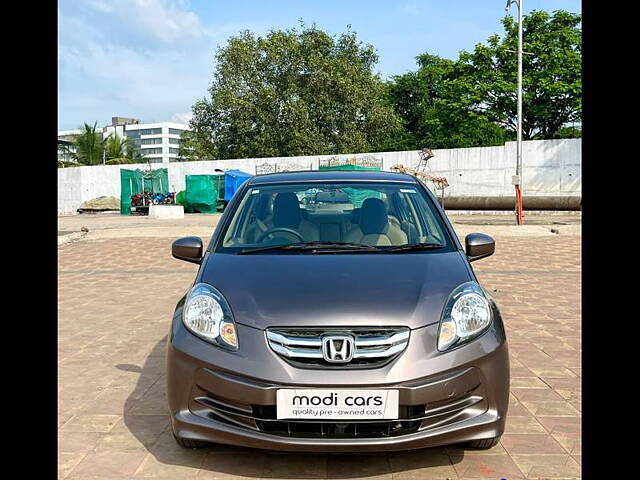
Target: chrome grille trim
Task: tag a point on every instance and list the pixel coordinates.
(381, 340)
(295, 352)
(372, 346)
(301, 341)
(380, 352)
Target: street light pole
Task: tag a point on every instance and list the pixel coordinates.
(517, 181)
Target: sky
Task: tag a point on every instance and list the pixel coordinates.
(152, 59)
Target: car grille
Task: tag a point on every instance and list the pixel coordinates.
(373, 347)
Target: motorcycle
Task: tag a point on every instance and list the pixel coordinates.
(145, 199)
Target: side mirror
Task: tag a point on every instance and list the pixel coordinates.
(188, 249)
(479, 245)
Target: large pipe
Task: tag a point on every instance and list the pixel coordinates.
(508, 203)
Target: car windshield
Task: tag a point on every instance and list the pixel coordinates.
(337, 216)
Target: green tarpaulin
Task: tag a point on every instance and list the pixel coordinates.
(356, 195)
(137, 181)
(180, 197)
(203, 193)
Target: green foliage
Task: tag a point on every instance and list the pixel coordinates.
(435, 113)
(472, 101)
(93, 149)
(120, 150)
(552, 69)
(67, 163)
(197, 143)
(89, 145)
(304, 92)
(291, 93)
(68, 154)
(569, 132)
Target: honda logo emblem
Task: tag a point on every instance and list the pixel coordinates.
(337, 348)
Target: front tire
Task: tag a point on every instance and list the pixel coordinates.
(483, 444)
(189, 443)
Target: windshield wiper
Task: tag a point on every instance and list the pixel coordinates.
(413, 247)
(320, 246)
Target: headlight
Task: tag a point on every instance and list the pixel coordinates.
(207, 314)
(466, 315)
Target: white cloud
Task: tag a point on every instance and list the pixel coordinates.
(145, 59)
(101, 5)
(142, 58)
(143, 84)
(184, 117)
(163, 20)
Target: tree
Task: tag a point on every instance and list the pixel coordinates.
(552, 66)
(291, 93)
(197, 143)
(66, 154)
(471, 101)
(433, 111)
(120, 150)
(89, 145)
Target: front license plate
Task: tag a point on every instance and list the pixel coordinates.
(336, 404)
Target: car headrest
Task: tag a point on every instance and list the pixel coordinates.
(355, 215)
(373, 216)
(286, 210)
(262, 206)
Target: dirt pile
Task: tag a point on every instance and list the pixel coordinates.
(100, 204)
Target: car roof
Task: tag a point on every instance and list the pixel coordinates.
(332, 176)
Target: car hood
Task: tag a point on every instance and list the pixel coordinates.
(266, 290)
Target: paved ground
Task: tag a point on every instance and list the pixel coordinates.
(117, 291)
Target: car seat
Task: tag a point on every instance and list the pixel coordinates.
(375, 227)
(287, 214)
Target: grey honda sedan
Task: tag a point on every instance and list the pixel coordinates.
(336, 311)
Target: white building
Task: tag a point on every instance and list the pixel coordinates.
(157, 142)
(66, 147)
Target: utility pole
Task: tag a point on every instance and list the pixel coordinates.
(517, 179)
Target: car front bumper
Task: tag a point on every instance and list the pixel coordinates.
(229, 397)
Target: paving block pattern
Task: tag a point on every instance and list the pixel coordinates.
(116, 297)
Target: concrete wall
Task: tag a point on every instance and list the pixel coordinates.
(552, 168)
